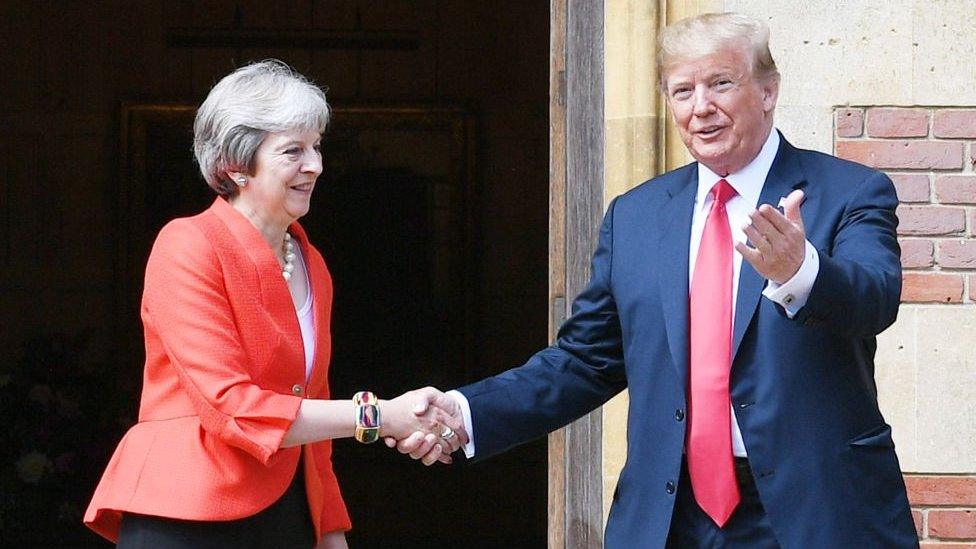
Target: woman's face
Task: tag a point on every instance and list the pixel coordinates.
(286, 166)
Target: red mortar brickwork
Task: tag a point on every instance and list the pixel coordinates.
(849, 122)
(917, 254)
(930, 155)
(954, 123)
(944, 507)
(898, 123)
(904, 154)
(911, 187)
(955, 189)
(932, 288)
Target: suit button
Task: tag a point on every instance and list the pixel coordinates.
(669, 487)
(679, 415)
(297, 389)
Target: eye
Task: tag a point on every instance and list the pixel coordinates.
(723, 84)
(681, 93)
(293, 151)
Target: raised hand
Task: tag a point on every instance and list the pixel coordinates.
(425, 423)
(431, 447)
(778, 239)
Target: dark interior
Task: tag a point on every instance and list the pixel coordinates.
(431, 214)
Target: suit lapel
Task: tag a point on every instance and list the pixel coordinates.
(673, 268)
(784, 175)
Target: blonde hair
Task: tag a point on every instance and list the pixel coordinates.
(240, 111)
(708, 33)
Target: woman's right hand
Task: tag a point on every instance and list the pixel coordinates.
(424, 412)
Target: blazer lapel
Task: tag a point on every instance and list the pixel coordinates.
(274, 294)
(784, 175)
(673, 265)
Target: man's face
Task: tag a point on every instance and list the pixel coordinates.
(722, 111)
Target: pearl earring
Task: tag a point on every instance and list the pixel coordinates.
(241, 181)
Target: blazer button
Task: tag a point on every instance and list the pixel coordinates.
(679, 415)
(669, 487)
(297, 389)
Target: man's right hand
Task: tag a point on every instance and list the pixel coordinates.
(430, 448)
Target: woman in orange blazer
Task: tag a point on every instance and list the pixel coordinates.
(232, 447)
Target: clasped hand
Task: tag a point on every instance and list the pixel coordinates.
(425, 423)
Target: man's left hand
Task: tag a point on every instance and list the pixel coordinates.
(778, 239)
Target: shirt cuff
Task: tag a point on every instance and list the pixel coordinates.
(793, 293)
(466, 412)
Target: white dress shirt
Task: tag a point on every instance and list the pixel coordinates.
(748, 183)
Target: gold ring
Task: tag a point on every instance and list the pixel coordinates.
(447, 433)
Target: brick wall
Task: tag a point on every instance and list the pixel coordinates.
(943, 508)
(930, 155)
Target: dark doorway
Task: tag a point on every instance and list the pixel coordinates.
(393, 215)
(441, 276)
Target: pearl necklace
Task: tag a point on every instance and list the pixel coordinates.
(289, 250)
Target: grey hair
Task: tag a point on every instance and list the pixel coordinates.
(240, 111)
(708, 33)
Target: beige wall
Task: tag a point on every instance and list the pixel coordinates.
(881, 52)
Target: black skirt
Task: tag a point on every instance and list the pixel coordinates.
(286, 523)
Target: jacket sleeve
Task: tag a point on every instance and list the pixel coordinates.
(563, 382)
(858, 287)
(186, 306)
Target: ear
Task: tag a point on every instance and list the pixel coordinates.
(770, 91)
(235, 177)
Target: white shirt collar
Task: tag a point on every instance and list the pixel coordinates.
(747, 182)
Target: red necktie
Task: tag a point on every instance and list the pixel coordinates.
(710, 461)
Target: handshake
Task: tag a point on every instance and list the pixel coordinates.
(426, 423)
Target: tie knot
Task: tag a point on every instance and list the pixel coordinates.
(722, 191)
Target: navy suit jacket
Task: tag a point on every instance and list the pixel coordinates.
(803, 389)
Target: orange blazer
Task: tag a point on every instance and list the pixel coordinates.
(223, 381)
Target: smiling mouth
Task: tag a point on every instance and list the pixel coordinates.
(709, 131)
(305, 188)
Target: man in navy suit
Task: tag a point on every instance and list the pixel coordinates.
(753, 418)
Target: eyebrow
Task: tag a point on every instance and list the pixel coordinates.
(721, 73)
(678, 82)
(291, 142)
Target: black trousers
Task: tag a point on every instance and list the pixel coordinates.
(286, 523)
(747, 528)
